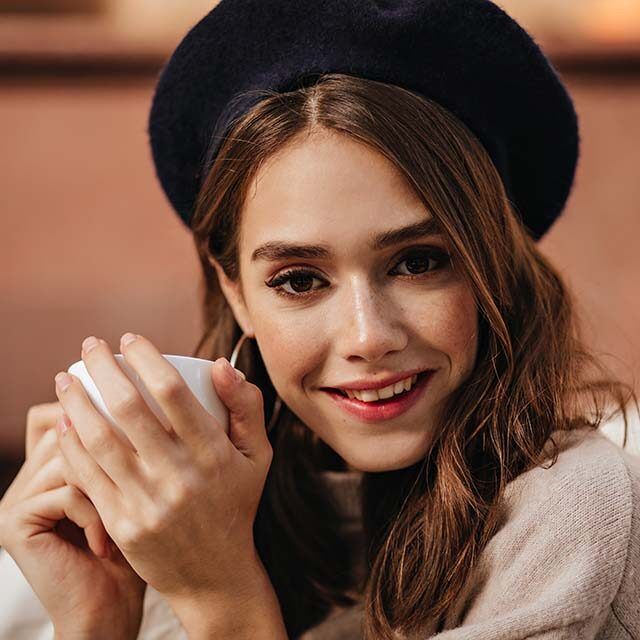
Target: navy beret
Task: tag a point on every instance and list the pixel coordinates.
(470, 56)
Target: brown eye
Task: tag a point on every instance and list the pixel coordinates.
(418, 262)
(299, 280)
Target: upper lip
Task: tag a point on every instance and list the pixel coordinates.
(377, 383)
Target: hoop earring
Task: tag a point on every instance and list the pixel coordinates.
(277, 405)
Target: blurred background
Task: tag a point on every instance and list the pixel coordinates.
(89, 245)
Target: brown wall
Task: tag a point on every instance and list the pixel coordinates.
(89, 245)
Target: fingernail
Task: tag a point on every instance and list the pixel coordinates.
(63, 424)
(63, 380)
(90, 343)
(127, 338)
(234, 374)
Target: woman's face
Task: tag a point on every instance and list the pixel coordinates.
(354, 311)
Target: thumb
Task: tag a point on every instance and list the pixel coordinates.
(244, 400)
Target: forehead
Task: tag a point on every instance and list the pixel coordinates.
(326, 188)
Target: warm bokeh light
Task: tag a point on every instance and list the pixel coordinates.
(156, 20)
(76, 78)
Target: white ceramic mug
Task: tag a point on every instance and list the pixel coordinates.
(196, 372)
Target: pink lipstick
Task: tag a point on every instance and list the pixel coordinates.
(387, 409)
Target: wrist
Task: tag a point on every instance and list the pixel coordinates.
(97, 633)
(250, 611)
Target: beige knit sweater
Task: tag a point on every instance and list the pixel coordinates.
(564, 566)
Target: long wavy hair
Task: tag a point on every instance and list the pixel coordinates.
(424, 525)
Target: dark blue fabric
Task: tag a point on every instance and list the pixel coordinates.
(468, 55)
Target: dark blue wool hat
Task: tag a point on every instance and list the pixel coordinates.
(468, 55)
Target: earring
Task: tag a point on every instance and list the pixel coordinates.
(275, 413)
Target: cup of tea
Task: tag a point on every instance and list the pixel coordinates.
(196, 372)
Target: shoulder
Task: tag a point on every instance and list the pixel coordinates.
(592, 486)
(566, 551)
(592, 477)
(579, 516)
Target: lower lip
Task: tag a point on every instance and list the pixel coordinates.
(385, 409)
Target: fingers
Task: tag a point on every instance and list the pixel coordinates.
(98, 445)
(94, 480)
(43, 451)
(169, 390)
(244, 400)
(42, 512)
(124, 401)
(40, 419)
(51, 476)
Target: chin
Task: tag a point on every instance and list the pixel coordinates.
(380, 466)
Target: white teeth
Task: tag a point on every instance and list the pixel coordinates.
(367, 396)
(371, 395)
(386, 392)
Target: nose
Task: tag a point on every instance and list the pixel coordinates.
(369, 326)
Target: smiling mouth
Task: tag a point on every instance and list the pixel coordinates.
(343, 393)
(383, 410)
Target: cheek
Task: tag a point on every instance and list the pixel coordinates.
(289, 351)
(450, 326)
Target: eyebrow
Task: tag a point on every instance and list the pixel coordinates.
(276, 250)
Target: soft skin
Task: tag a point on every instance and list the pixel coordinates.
(180, 505)
(42, 515)
(360, 320)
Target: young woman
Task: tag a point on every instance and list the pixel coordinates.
(435, 467)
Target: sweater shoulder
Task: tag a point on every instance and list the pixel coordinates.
(591, 474)
(589, 496)
(565, 555)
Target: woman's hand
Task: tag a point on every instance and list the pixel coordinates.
(181, 505)
(42, 517)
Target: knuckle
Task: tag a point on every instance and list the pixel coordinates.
(155, 525)
(72, 494)
(128, 534)
(41, 417)
(170, 387)
(57, 465)
(44, 446)
(258, 400)
(181, 492)
(257, 393)
(34, 413)
(127, 404)
(48, 439)
(99, 440)
(64, 471)
(45, 412)
(212, 459)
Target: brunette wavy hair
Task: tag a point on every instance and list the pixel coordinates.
(425, 525)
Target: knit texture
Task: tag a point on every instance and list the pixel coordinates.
(565, 564)
(469, 56)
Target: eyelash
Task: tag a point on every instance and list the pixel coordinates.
(277, 283)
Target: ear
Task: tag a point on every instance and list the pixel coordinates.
(233, 294)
